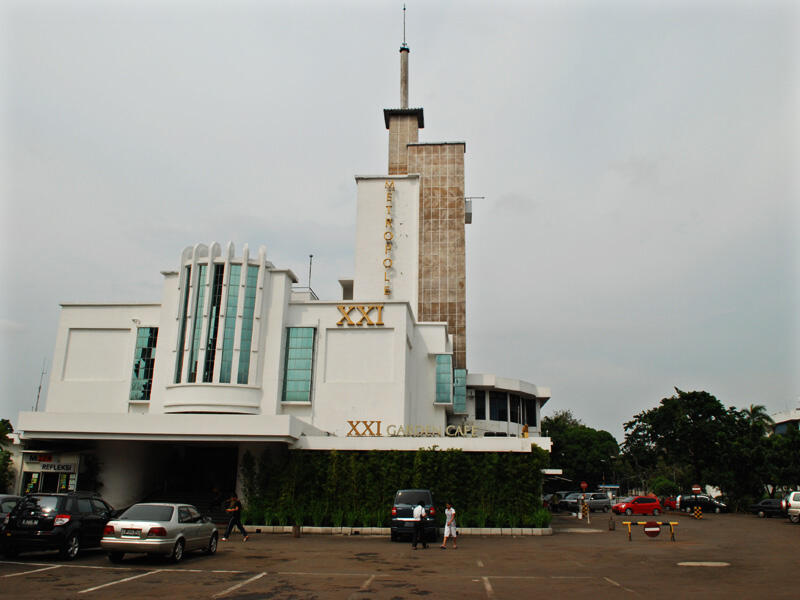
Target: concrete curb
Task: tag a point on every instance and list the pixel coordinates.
(385, 531)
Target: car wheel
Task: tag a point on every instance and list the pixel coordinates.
(794, 518)
(212, 544)
(177, 552)
(605, 509)
(115, 557)
(656, 512)
(393, 537)
(71, 547)
(761, 514)
(628, 512)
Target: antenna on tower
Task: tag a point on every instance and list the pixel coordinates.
(404, 25)
(310, 261)
(39, 393)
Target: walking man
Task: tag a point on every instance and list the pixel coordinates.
(235, 511)
(419, 527)
(449, 525)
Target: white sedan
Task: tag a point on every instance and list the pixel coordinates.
(159, 529)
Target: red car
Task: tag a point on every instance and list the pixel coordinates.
(669, 503)
(638, 505)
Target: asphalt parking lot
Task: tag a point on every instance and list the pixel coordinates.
(722, 556)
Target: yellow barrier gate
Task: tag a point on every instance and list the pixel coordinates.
(646, 524)
(698, 512)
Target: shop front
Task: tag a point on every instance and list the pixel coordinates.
(49, 472)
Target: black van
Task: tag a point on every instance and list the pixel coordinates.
(403, 513)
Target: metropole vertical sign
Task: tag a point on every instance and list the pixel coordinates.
(388, 238)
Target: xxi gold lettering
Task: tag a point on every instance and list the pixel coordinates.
(364, 311)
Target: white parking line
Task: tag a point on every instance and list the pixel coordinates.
(238, 585)
(98, 587)
(367, 583)
(480, 563)
(704, 564)
(34, 571)
(488, 587)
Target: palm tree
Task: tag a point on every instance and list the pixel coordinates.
(758, 417)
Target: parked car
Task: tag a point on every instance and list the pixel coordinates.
(769, 507)
(669, 503)
(558, 497)
(403, 513)
(791, 505)
(65, 522)
(597, 501)
(569, 503)
(638, 505)
(687, 502)
(159, 528)
(6, 504)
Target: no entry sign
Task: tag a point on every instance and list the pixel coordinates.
(652, 529)
(696, 488)
(584, 485)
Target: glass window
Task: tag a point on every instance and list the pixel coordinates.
(480, 405)
(147, 512)
(187, 275)
(247, 323)
(459, 391)
(231, 306)
(144, 361)
(199, 304)
(444, 378)
(84, 506)
(514, 408)
(299, 366)
(183, 515)
(498, 406)
(213, 323)
(530, 412)
(99, 507)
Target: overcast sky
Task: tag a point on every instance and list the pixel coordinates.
(639, 161)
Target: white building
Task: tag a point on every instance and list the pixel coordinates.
(166, 397)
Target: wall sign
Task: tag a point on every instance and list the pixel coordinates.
(373, 429)
(388, 237)
(365, 311)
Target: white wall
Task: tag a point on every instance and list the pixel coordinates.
(93, 358)
(371, 230)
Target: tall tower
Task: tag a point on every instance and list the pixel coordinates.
(442, 214)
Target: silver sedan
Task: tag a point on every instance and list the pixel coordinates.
(159, 528)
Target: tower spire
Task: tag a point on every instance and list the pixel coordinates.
(404, 52)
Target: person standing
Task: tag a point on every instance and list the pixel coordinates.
(419, 527)
(449, 525)
(235, 511)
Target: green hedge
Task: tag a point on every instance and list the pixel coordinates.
(344, 488)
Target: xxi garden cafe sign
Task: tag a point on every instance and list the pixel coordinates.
(373, 429)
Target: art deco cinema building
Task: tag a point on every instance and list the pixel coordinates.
(235, 357)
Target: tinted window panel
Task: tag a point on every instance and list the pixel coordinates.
(145, 512)
(412, 497)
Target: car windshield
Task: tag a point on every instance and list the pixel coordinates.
(46, 503)
(147, 512)
(412, 497)
(574, 495)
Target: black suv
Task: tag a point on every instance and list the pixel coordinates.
(403, 513)
(64, 522)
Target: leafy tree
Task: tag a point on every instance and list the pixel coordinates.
(583, 453)
(6, 475)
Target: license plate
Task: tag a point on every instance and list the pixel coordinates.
(136, 532)
(409, 523)
(29, 522)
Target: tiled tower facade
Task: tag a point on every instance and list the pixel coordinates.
(442, 269)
